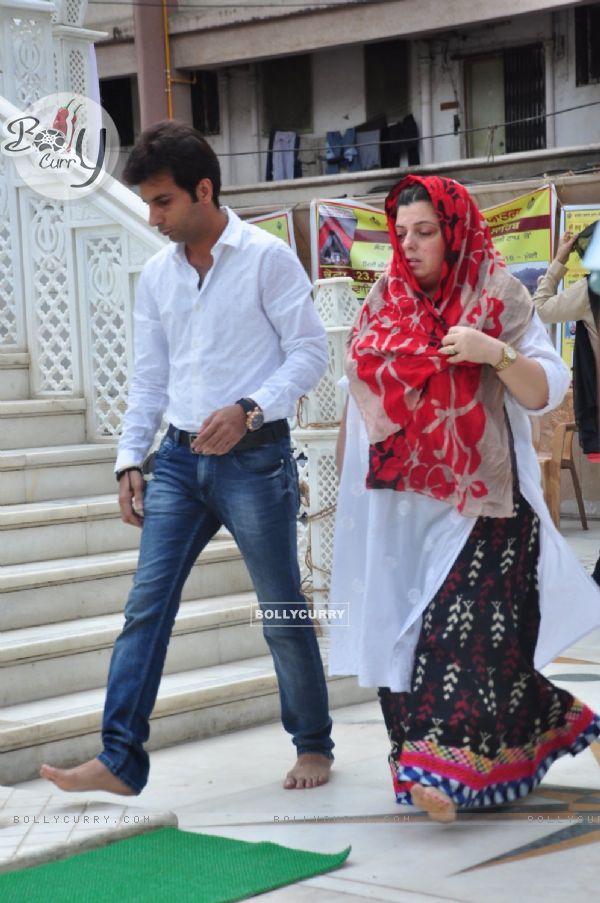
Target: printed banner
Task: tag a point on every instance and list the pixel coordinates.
(522, 230)
(574, 218)
(279, 223)
(348, 239)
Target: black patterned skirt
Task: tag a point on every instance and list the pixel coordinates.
(480, 722)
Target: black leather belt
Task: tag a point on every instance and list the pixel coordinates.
(270, 432)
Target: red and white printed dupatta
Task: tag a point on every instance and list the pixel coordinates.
(438, 428)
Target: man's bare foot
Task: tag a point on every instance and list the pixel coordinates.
(438, 806)
(92, 775)
(310, 770)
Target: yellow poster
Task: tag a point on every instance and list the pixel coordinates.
(522, 232)
(279, 223)
(349, 239)
(574, 218)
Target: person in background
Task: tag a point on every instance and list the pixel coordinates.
(444, 551)
(580, 304)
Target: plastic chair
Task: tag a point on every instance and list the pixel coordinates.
(558, 457)
(567, 463)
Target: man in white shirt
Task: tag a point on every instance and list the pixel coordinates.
(226, 340)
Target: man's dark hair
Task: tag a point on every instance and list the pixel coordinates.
(178, 149)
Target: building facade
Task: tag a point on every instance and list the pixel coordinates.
(468, 79)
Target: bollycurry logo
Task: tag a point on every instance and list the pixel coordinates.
(63, 146)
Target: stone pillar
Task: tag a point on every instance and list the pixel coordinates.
(151, 61)
(254, 86)
(226, 162)
(550, 98)
(426, 107)
(74, 51)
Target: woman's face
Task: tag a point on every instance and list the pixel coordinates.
(420, 237)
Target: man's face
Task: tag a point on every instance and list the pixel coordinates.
(171, 208)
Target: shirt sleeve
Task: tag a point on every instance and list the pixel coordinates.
(286, 297)
(558, 307)
(536, 345)
(148, 387)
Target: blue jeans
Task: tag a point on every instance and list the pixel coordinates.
(254, 493)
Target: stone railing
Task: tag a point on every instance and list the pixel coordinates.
(67, 276)
(315, 435)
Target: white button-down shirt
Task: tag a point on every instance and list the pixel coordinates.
(250, 330)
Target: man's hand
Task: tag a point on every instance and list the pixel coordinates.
(221, 431)
(131, 498)
(465, 344)
(565, 246)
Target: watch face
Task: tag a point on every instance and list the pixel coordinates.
(256, 419)
(511, 354)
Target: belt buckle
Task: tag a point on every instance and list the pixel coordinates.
(191, 437)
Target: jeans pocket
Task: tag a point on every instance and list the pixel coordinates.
(263, 459)
(165, 448)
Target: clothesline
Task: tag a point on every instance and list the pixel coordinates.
(407, 141)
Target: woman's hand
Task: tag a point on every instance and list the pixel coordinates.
(525, 379)
(565, 246)
(464, 344)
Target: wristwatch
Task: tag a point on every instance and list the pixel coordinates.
(509, 356)
(254, 414)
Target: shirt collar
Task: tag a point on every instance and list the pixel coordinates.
(231, 235)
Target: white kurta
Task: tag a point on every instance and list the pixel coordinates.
(393, 551)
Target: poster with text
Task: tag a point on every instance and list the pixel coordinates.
(279, 223)
(348, 239)
(522, 230)
(574, 218)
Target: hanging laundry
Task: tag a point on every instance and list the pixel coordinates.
(402, 138)
(411, 137)
(341, 153)
(369, 153)
(284, 145)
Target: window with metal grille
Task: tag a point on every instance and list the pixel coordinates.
(206, 115)
(525, 98)
(587, 44)
(506, 101)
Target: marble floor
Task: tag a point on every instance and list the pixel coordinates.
(546, 848)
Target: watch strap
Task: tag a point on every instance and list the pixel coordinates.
(247, 404)
(509, 356)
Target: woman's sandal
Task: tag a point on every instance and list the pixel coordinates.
(437, 804)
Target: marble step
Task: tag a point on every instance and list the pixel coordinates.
(41, 531)
(57, 659)
(66, 471)
(65, 730)
(65, 589)
(14, 376)
(53, 421)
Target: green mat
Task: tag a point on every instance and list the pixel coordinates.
(167, 865)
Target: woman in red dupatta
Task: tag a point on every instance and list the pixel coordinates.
(429, 362)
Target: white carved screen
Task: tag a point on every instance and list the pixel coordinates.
(104, 288)
(50, 296)
(69, 12)
(28, 55)
(12, 321)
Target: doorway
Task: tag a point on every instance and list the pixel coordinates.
(506, 101)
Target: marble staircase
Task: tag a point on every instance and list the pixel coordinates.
(66, 563)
